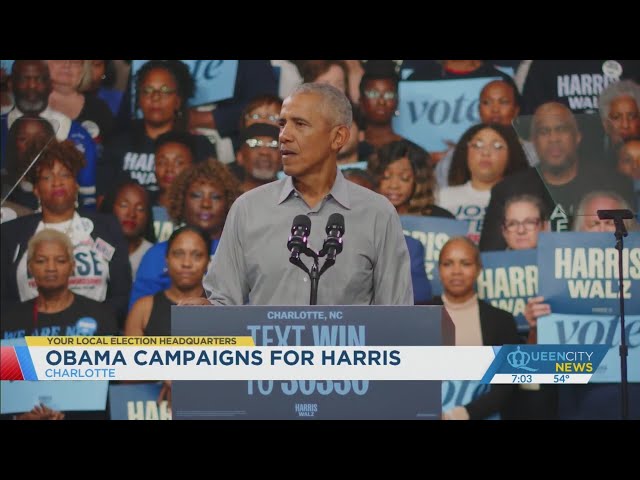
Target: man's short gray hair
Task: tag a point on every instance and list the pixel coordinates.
(334, 101)
(582, 214)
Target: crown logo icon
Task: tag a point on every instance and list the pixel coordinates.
(520, 360)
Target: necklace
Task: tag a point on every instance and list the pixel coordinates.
(67, 230)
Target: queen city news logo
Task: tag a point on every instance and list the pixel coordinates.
(553, 358)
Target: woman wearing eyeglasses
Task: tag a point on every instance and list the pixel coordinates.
(524, 218)
(162, 89)
(379, 102)
(485, 154)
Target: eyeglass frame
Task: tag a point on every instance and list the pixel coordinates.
(258, 116)
(257, 143)
(163, 91)
(493, 146)
(376, 94)
(529, 225)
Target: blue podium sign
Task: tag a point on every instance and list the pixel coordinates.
(313, 326)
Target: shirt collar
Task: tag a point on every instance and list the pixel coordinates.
(339, 191)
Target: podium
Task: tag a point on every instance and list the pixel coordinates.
(313, 399)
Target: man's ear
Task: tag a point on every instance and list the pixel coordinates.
(240, 157)
(340, 136)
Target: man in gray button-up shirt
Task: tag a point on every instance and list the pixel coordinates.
(251, 264)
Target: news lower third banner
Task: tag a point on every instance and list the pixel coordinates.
(237, 358)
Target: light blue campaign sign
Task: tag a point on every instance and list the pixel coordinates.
(578, 272)
(434, 113)
(137, 402)
(433, 233)
(599, 330)
(461, 392)
(7, 65)
(507, 280)
(64, 396)
(215, 79)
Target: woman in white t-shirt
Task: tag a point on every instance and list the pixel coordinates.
(485, 154)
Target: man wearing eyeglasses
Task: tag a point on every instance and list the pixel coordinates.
(561, 179)
(258, 158)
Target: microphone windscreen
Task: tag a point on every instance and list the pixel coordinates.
(301, 221)
(336, 220)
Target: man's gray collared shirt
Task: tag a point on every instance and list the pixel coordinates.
(251, 264)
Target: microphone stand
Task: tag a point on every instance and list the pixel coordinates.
(621, 232)
(315, 277)
(617, 216)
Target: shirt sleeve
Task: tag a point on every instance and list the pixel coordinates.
(392, 271)
(226, 281)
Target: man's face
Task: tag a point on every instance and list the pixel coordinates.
(31, 85)
(306, 134)
(556, 138)
(591, 222)
(260, 157)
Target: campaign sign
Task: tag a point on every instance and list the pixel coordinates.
(215, 79)
(437, 112)
(64, 396)
(458, 393)
(507, 280)
(313, 326)
(138, 401)
(578, 272)
(433, 233)
(596, 330)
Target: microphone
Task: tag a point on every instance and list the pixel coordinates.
(615, 214)
(333, 243)
(300, 230)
